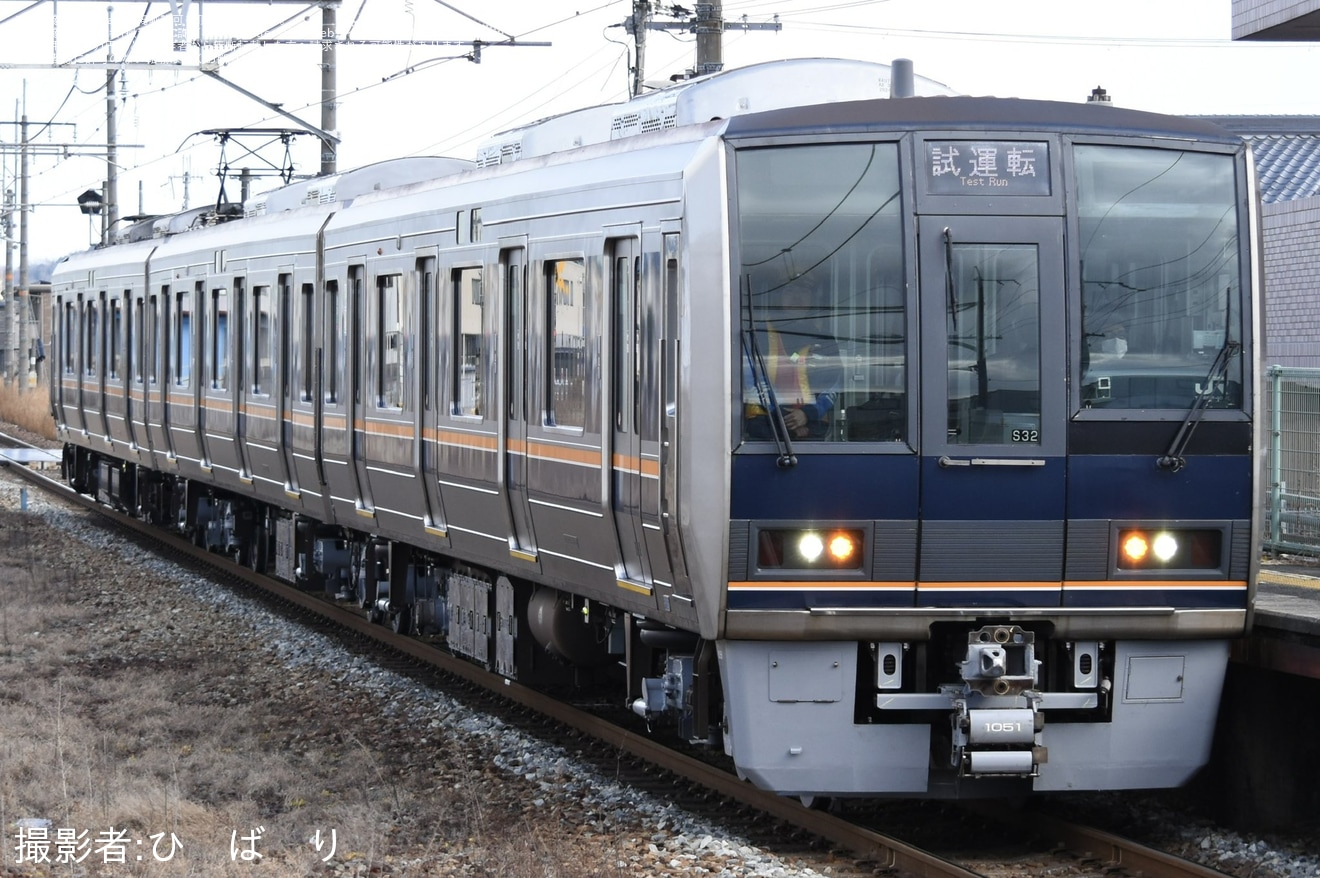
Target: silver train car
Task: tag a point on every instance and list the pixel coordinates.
(895, 445)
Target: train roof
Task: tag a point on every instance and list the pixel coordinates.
(344, 187)
(756, 88)
(952, 112)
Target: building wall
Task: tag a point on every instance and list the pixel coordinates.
(1275, 19)
(1292, 283)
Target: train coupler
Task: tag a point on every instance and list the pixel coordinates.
(997, 740)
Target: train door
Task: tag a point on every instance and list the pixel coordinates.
(994, 357)
(156, 362)
(128, 358)
(242, 375)
(628, 466)
(426, 392)
(96, 365)
(137, 351)
(357, 372)
(183, 385)
(284, 331)
(215, 356)
(58, 344)
(667, 511)
(70, 413)
(116, 382)
(513, 427)
(83, 363)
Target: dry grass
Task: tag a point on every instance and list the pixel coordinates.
(29, 409)
(119, 711)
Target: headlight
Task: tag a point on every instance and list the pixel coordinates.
(1172, 549)
(809, 549)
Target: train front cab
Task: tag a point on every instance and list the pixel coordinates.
(1015, 554)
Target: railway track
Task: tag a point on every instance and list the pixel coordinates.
(1068, 849)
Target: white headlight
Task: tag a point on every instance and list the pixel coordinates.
(811, 546)
(1165, 547)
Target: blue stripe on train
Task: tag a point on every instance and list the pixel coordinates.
(825, 486)
(886, 486)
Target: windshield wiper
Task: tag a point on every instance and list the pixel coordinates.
(1173, 458)
(765, 390)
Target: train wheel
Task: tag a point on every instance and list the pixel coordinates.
(257, 551)
(401, 621)
(816, 803)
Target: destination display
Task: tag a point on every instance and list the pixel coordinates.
(987, 167)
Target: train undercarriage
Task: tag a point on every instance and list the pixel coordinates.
(535, 634)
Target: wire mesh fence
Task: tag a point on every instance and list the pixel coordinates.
(1292, 502)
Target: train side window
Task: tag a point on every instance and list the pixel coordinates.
(391, 357)
(70, 338)
(467, 389)
(306, 343)
(353, 348)
(116, 319)
(161, 362)
(335, 344)
(90, 334)
(281, 336)
(261, 339)
(136, 332)
(102, 343)
(152, 356)
(425, 338)
(219, 339)
(182, 341)
(566, 333)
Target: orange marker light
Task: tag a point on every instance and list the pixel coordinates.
(841, 547)
(1135, 547)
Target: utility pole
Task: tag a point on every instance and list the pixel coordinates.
(20, 300)
(9, 274)
(329, 113)
(110, 201)
(637, 26)
(710, 37)
(707, 22)
(110, 213)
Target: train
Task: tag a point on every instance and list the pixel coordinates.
(895, 442)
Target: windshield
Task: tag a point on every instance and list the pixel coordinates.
(1161, 281)
(823, 324)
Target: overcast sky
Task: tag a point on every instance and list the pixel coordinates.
(397, 99)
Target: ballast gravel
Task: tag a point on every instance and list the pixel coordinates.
(572, 820)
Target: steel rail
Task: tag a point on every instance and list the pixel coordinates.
(1118, 852)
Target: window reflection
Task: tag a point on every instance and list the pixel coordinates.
(993, 323)
(822, 313)
(1161, 281)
